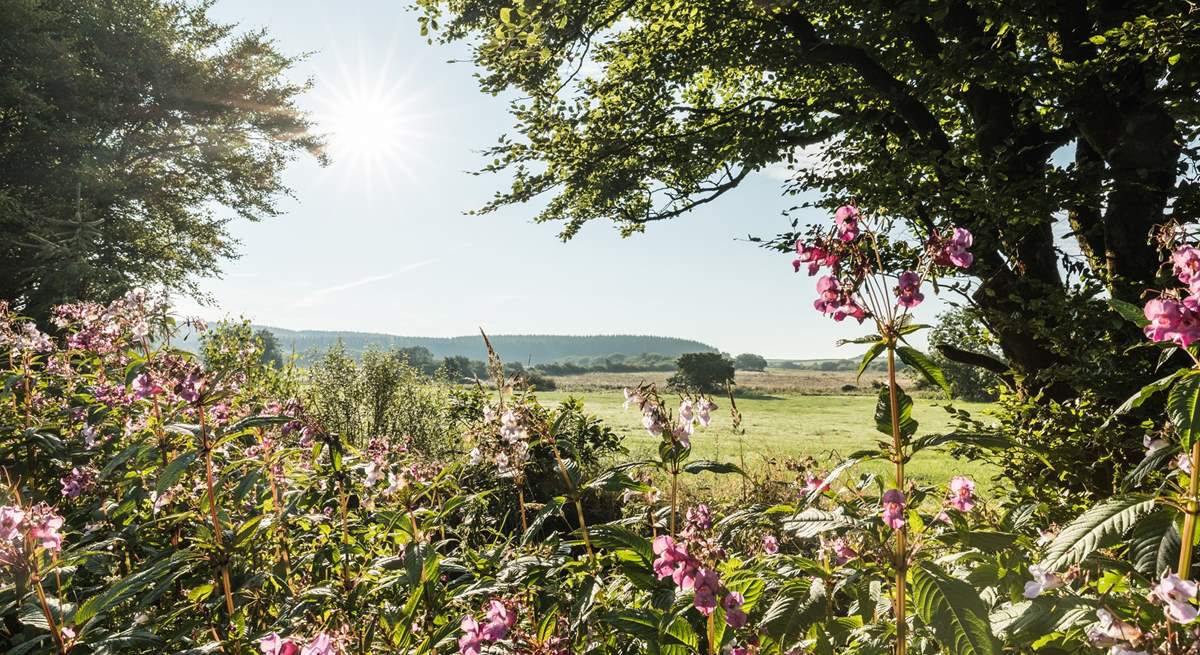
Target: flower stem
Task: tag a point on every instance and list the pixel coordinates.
(575, 496)
(674, 495)
(41, 594)
(901, 599)
(1189, 518)
(210, 479)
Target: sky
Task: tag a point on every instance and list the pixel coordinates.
(378, 241)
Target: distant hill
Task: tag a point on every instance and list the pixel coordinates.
(523, 348)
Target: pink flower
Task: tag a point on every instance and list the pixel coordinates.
(734, 616)
(699, 518)
(847, 222)
(1152, 443)
(1173, 321)
(1111, 631)
(1042, 581)
(273, 644)
(11, 519)
(499, 620)
(962, 493)
(953, 251)
(1176, 594)
(44, 526)
(704, 408)
(908, 293)
(1186, 264)
(814, 256)
(815, 484)
(893, 509)
(707, 586)
(828, 295)
(770, 544)
(471, 641)
(842, 552)
(673, 561)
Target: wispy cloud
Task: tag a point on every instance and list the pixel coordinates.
(318, 296)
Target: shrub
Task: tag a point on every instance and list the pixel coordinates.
(750, 362)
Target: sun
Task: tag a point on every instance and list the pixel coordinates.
(371, 122)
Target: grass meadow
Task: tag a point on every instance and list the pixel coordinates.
(786, 416)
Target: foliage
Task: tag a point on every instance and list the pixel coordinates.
(962, 329)
(125, 127)
(382, 396)
(703, 373)
(750, 362)
(153, 502)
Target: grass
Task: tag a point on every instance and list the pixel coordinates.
(811, 418)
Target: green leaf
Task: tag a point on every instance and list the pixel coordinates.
(710, 466)
(1183, 408)
(1129, 311)
(506, 15)
(883, 413)
(1087, 533)
(813, 521)
(954, 610)
(173, 470)
(868, 357)
(925, 366)
(1154, 544)
(1098, 39)
(1146, 392)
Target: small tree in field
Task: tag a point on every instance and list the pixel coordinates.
(750, 362)
(702, 372)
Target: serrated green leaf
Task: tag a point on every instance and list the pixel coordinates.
(925, 366)
(1183, 408)
(954, 610)
(1113, 516)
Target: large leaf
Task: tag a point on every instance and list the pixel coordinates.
(954, 610)
(869, 357)
(925, 366)
(1146, 392)
(1129, 312)
(813, 521)
(1183, 407)
(883, 412)
(1154, 543)
(710, 466)
(1113, 516)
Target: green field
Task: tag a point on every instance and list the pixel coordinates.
(789, 425)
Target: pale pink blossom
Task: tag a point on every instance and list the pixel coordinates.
(1176, 595)
(908, 291)
(1042, 581)
(770, 544)
(846, 218)
(962, 493)
(11, 520)
(734, 615)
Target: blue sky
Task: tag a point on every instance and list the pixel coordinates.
(377, 241)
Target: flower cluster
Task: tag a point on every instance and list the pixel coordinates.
(850, 264)
(497, 622)
(79, 481)
(22, 532)
(692, 412)
(689, 564)
(839, 549)
(105, 329)
(1175, 316)
(320, 644)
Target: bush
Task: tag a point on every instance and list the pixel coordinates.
(963, 329)
(750, 362)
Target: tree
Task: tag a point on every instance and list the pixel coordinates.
(271, 354)
(750, 362)
(703, 372)
(131, 133)
(1003, 117)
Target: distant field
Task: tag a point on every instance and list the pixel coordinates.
(773, 380)
(794, 414)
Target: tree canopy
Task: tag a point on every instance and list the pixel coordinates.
(1010, 118)
(131, 133)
